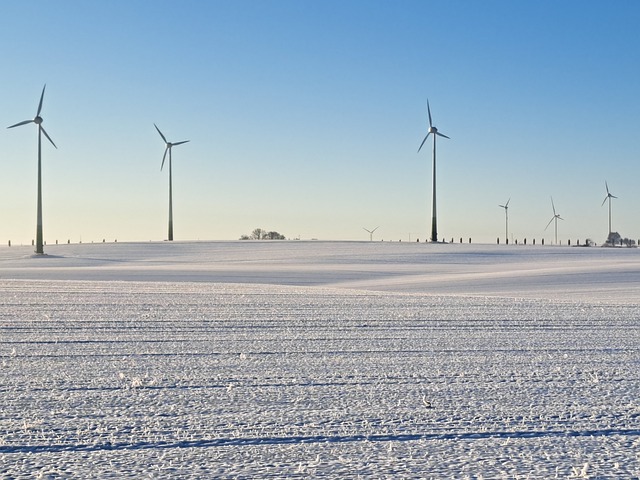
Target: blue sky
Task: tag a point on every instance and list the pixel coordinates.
(305, 117)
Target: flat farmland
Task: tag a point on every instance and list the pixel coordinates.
(328, 359)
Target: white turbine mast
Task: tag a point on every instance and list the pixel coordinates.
(555, 218)
(38, 121)
(608, 197)
(433, 130)
(168, 146)
(506, 217)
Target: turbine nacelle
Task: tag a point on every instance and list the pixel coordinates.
(556, 217)
(432, 130)
(167, 145)
(370, 232)
(37, 120)
(609, 194)
(608, 197)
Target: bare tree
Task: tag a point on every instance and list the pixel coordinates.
(258, 234)
(274, 236)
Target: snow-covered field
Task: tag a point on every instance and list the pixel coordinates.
(303, 359)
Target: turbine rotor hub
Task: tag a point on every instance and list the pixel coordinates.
(37, 120)
(433, 130)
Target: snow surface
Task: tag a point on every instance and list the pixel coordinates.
(334, 359)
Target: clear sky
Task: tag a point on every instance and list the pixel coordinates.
(305, 117)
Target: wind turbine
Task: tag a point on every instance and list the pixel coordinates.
(506, 217)
(608, 197)
(38, 121)
(168, 146)
(433, 130)
(370, 232)
(555, 217)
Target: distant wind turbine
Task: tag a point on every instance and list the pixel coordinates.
(555, 218)
(608, 197)
(38, 121)
(370, 232)
(506, 217)
(433, 130)
(168, 146)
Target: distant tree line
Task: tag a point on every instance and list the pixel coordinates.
(260, 234)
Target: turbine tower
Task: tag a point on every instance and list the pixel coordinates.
(167, 148)
(433, 130)
(555, 218)
(370, 232)
(608, 197)
(506, 218)
(38, 121)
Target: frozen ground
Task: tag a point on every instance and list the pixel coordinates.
(335, 359)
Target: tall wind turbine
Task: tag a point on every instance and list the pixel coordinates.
(506, 218)
(433, 130)
(556, 217)
(38, 121)
(168, 146)
(370, 232)
(608, 197)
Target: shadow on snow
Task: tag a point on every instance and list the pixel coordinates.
(253, 441)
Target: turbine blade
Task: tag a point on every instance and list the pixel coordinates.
(605, 199)
(507, 204)
(375, 229)
(179, 143)
(442, 135)
(425, 139)
(552, 219)
(21, 123)
(429, 112)
(612, 196)
(607, 187)
(164, 157)
(47, 135)
(165, 140)
(41, 98)
(560, 218)
(553, 206)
